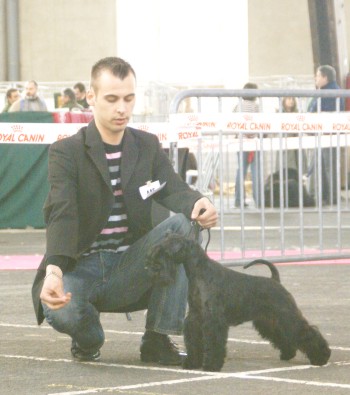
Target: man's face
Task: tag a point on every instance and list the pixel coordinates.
(320, 80)
(13, 97)
(31, 90)
(113, 101)
(79, 95)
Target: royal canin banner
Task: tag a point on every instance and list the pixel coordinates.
(191, 126)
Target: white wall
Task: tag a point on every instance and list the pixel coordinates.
(185, 42)
(60, 40)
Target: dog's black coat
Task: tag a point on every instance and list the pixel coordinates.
(220, 297)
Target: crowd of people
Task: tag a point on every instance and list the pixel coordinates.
(75, 99)
(325, 78)
(72, 99)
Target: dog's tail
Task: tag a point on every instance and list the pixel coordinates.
(274, 272)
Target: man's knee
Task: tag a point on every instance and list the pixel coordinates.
(86, 329)
(61, 320)
(180, 224)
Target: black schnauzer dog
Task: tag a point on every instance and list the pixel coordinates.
(220, 297)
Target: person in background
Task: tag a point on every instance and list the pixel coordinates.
(80, 94)
(12, 95)
(290, 157)
(289, 104)
(248, 159)
(103, 181)
(31, 101)
(325, 78)
(69, 101)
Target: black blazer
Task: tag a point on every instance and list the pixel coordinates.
(81, 198)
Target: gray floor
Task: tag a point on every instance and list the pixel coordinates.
(36, 360)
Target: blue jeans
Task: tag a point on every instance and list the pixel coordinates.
(111, 282)
(328, 167)
(255, 170)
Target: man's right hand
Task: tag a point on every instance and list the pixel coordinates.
(52, 293)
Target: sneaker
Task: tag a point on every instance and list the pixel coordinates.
(83, 356)
(159, 348)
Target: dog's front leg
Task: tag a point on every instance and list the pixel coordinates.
(215, 333)
(193, 338)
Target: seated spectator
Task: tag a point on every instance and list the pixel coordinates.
(12, 95)
(80, 94)
(31, 101)
(69, 101)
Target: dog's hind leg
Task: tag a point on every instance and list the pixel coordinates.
(292, 332)
(193, 338)
(270, 329)
(215, 333)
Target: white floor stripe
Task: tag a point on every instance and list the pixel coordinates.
(293, 381)
(204, 376)
(138, 386)
(216, 377)
(115, 365)
(22, 326)
(177, 370)
(230, 339)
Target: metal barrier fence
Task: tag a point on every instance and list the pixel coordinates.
(290, 218)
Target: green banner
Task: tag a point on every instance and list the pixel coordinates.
(23, 177)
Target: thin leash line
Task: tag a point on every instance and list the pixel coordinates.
(196, 230)
(208, 241)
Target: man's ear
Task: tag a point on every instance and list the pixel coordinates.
(90, 97)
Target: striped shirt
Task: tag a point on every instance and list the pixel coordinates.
(112, 236)
(246, 106)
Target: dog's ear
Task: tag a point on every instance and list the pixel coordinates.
(175, 248)
(176, 243)
(160, 266)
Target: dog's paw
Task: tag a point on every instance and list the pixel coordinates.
(286, 355)
(320, 358)
(191, 364)
(212, 368)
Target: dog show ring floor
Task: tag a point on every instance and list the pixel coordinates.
(36, 360)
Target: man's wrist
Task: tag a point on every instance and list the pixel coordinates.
(53, 273)
(64, 263)
(53, 270)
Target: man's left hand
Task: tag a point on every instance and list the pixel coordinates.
(204, 213)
